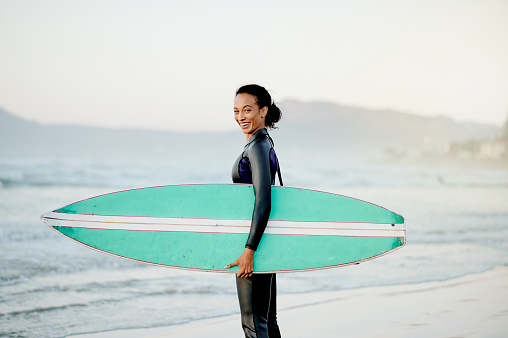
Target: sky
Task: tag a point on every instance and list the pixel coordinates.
(175, 65)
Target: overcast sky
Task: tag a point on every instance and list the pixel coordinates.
(176, 64)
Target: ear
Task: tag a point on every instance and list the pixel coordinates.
(264, 111)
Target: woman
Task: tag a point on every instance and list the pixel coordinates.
(257, 165)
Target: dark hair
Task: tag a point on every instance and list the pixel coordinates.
(263, 99)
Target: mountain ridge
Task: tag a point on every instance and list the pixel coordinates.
(304, 128)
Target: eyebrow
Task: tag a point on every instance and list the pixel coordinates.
(247, 105)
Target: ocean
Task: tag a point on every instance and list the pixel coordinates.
(456, 220)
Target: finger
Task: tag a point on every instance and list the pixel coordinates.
(244, 275)
(235, 263)
(241, 272)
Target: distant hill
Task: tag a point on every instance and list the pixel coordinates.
(19, 137)
(370, 127)
(306, 128)
(358, 132)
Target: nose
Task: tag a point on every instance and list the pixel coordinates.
(240, 116)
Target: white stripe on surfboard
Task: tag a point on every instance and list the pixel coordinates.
(170, 224)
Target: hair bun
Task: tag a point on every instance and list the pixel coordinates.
(273, 116)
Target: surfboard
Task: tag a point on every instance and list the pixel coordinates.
(205, 226)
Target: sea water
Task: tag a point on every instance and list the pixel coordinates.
(50, 286)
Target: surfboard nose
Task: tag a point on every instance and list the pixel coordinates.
(45, 217)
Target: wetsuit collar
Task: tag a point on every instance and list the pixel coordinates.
(257, 135)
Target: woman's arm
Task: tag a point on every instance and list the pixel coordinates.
(259, 158)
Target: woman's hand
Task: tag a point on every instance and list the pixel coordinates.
(245, 263)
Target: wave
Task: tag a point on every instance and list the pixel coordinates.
(105, 173)
(66, 302)
(41, 309)
(49, 172)
(58, 173)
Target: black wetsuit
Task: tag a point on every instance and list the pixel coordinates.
(257, 294)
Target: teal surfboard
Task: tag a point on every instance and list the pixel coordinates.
(205, 226)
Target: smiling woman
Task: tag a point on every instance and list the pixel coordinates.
(255, 110)
(257, 165)
(248, 115)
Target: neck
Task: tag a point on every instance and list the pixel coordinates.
(248, 136)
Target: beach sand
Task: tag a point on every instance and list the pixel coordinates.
(470, 306)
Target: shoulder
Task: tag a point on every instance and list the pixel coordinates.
(259, 147)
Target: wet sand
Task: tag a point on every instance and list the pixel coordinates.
(470, 306)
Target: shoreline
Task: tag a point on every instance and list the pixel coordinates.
(474, 305)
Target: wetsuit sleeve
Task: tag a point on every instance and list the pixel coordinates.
(259, 159)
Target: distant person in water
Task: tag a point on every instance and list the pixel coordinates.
(255, 111)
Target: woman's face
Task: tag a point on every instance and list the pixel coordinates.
(248, 115)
